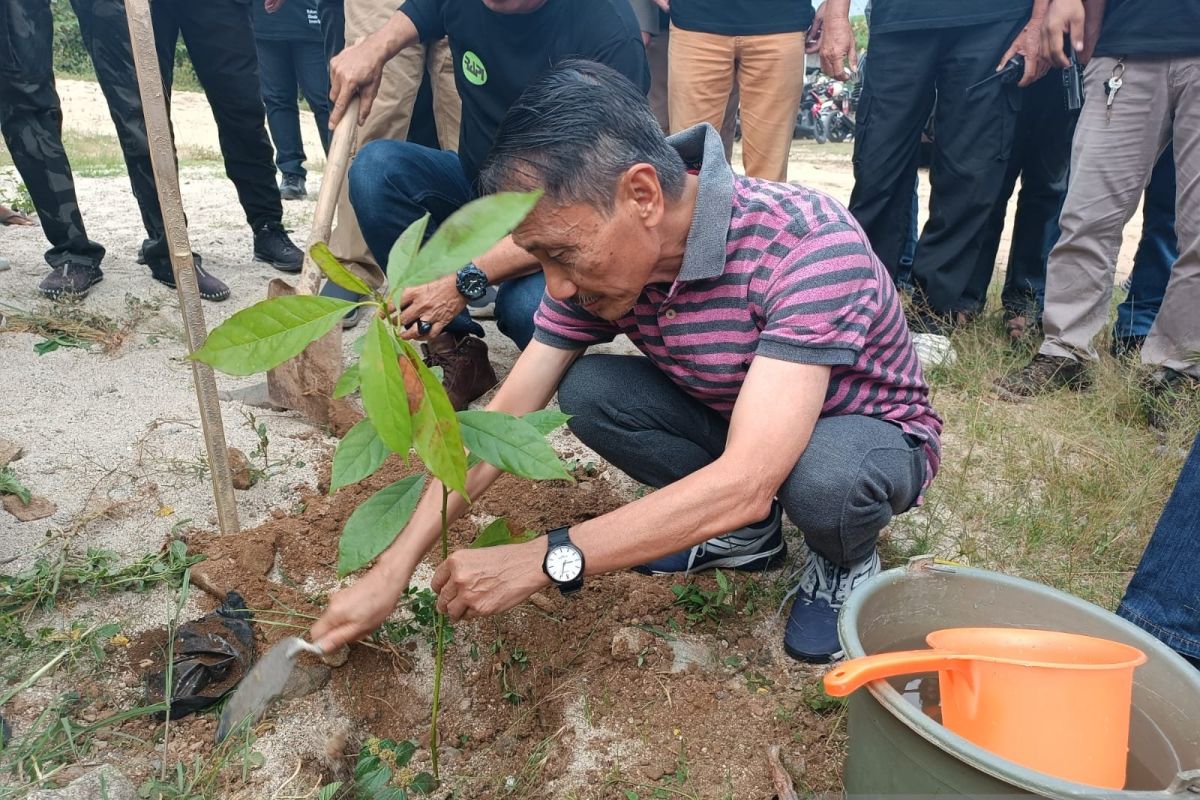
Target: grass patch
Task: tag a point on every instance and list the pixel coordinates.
(98, 155)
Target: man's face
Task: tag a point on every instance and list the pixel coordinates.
(599, 261)
(514, 6)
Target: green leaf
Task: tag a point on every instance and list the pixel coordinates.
(511, 444)
(400, 258)
(329, 790)
(404, 751)
(375, 524)
(467, 234)
(333, 269)
(358, 455)
(383, 395)
(501, 531)
(436, 435)
(347, 383)
(270, 332)
(422, 783)
(546, 420)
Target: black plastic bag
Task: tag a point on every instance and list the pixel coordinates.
(210, 657)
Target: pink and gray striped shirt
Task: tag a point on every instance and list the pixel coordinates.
(772, 270)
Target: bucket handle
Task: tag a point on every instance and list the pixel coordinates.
(850, 675)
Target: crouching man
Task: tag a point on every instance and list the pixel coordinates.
(779, 375)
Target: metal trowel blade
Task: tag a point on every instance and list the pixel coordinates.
(262, 684)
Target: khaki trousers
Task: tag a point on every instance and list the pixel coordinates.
(391, 114)
(769, 73)
(656, 55)
(1111, 161)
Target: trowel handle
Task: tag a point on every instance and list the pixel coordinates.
(850, 675)
(336, 164)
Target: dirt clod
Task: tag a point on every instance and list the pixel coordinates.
(38, 507)
(9, 452)
(239, 465)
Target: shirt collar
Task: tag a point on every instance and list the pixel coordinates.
(704, 253)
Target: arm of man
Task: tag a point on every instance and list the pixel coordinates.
(358, 69)
(356, 611)
(837, 40)
(766, 439)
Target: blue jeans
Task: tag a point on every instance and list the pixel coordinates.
(393, 184)
(282, 64)
(1156, 253)
(1164, 595)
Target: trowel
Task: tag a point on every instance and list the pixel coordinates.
(262, 684)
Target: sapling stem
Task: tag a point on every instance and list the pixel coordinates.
(439, 648)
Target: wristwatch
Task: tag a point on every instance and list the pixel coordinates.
(472, 282)
(564, 562)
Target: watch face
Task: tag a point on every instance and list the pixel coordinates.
(472, 282)
(564, 564)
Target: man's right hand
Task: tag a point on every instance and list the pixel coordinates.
(358, 610)
(1063, 17)
(357, 70)
(837, 47)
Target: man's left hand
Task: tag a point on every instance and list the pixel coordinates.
(479, 583)
(1029, 44)
(435, 303)
(272, 6)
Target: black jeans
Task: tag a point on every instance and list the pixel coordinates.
(220, 42)
(283, 64)
(1041, 157)
(973, 139)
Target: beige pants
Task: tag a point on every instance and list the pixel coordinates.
(391, 113)
(656, 54)
(769, 73)
(1111, 161)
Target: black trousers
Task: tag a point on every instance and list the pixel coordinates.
(973, 139)
(333, 26)
(1041, 157)
(220, 42)
(31, 121)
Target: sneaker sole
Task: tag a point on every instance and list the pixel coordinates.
(814, 658)
(753, 562)
(289, 268)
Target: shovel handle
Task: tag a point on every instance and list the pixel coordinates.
(850, 675)
(331, 189)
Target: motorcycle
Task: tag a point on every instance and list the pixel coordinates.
(837, 113)
(808, 120)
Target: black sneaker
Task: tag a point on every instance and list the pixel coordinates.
(292, 187)
(211, 287)
(331, 289)
(272, 245)
(1042, 375)
(72, 278)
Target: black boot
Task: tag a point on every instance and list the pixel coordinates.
(211, 287)
(272, 245)
(71, 278)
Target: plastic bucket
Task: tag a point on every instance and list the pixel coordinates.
(1053, 702)
(897, 745)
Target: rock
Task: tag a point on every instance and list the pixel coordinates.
(337, 657)
(304, 680)
(104, 781)
(9, 452)
(691, 656)
(449, 755)
(38, 507)
(239, 465)
(628, 642)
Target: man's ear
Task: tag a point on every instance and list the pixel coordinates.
(640, 188)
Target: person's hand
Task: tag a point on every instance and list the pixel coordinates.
(357, 611)
(812, 42)
(356, 70)
(1028, 44)
(1065, 17)
(435, 303)
(271, 6)
(478, 583)
(665, 5)
(837, 47)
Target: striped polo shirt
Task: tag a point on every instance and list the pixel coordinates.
(773, 270)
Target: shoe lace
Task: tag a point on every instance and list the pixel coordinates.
(815, 578)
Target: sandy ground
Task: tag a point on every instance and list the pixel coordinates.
(114, 439)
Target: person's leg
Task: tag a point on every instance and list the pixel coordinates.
(1174, 339)
(516, 302)
(904, 268)
(895, 104)
(767, 70)
(333, 26)
(312, 73)
(975, 296)
(1164, 595)
(656, 57)
(970, 159)
(1156, 252)
(31, 119)
(278, 80)
(700, 68)
(447, 106)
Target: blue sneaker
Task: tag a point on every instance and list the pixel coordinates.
(811, 634)
(750, 549)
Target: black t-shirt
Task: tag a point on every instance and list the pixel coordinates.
(497, 55)
(295, 20)
(889, 16)
(742, 17)
(1150, 28)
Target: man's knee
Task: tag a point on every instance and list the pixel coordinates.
(367, 173)
(581, 389)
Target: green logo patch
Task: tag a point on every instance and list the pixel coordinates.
(473, 69)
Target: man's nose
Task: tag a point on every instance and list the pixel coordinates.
(558, 286)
